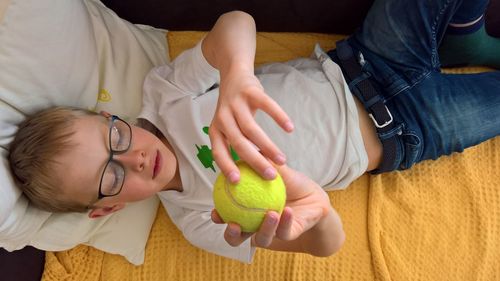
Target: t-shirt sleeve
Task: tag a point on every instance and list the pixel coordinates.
(189, 74)
(192, 72)
(199, 229)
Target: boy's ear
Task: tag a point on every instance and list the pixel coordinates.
(105, 113)
(104, 211)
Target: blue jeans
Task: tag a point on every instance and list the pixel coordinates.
(436, 114)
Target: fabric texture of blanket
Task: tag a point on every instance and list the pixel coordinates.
(438, 221)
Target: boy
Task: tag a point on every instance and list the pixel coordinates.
(338, 141)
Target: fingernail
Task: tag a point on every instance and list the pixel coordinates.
(269, 173)
(234, 177)
(271, 220)
(280, 159)
(288, 126)
(233, 232)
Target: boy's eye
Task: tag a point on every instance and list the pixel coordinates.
(115, 138)
(113, 178)
(119, 135)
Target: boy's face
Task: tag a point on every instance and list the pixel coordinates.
(149, 165)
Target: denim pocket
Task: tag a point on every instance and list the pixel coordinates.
(412, 149)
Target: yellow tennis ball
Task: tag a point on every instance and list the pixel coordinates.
(247, 202)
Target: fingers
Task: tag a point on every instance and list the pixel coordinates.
(234, 236)
(273, 109)
(284, 229)
(253, 149)
(222, 156)
(215, 217)
(266, 233)
(234, 126)
(273, 224)
(252, 132)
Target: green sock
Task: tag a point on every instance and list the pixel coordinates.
(476, 48)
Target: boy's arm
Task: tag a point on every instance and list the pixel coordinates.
(230, 47)
(308, 223)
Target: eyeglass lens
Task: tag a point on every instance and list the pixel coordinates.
(119, 141)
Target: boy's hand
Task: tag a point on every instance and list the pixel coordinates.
(230, 48)
(240, 96)
(307, 205)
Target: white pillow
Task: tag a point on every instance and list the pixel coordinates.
(79, 53)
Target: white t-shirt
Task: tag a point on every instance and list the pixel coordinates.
(326, 145)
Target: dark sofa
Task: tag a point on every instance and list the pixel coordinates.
(338, 16)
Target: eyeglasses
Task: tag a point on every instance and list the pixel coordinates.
(113, 176)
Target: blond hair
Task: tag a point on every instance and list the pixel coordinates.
(39, 139)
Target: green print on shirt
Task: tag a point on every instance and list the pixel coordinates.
(205, 154)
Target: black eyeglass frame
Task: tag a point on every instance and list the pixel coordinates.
(112, 153)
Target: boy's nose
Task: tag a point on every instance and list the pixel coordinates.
(132, 159)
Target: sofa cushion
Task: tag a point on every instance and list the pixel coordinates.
(76, 53)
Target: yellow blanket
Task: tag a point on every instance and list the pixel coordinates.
(438, 221)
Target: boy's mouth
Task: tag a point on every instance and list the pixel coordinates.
(158, 163)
